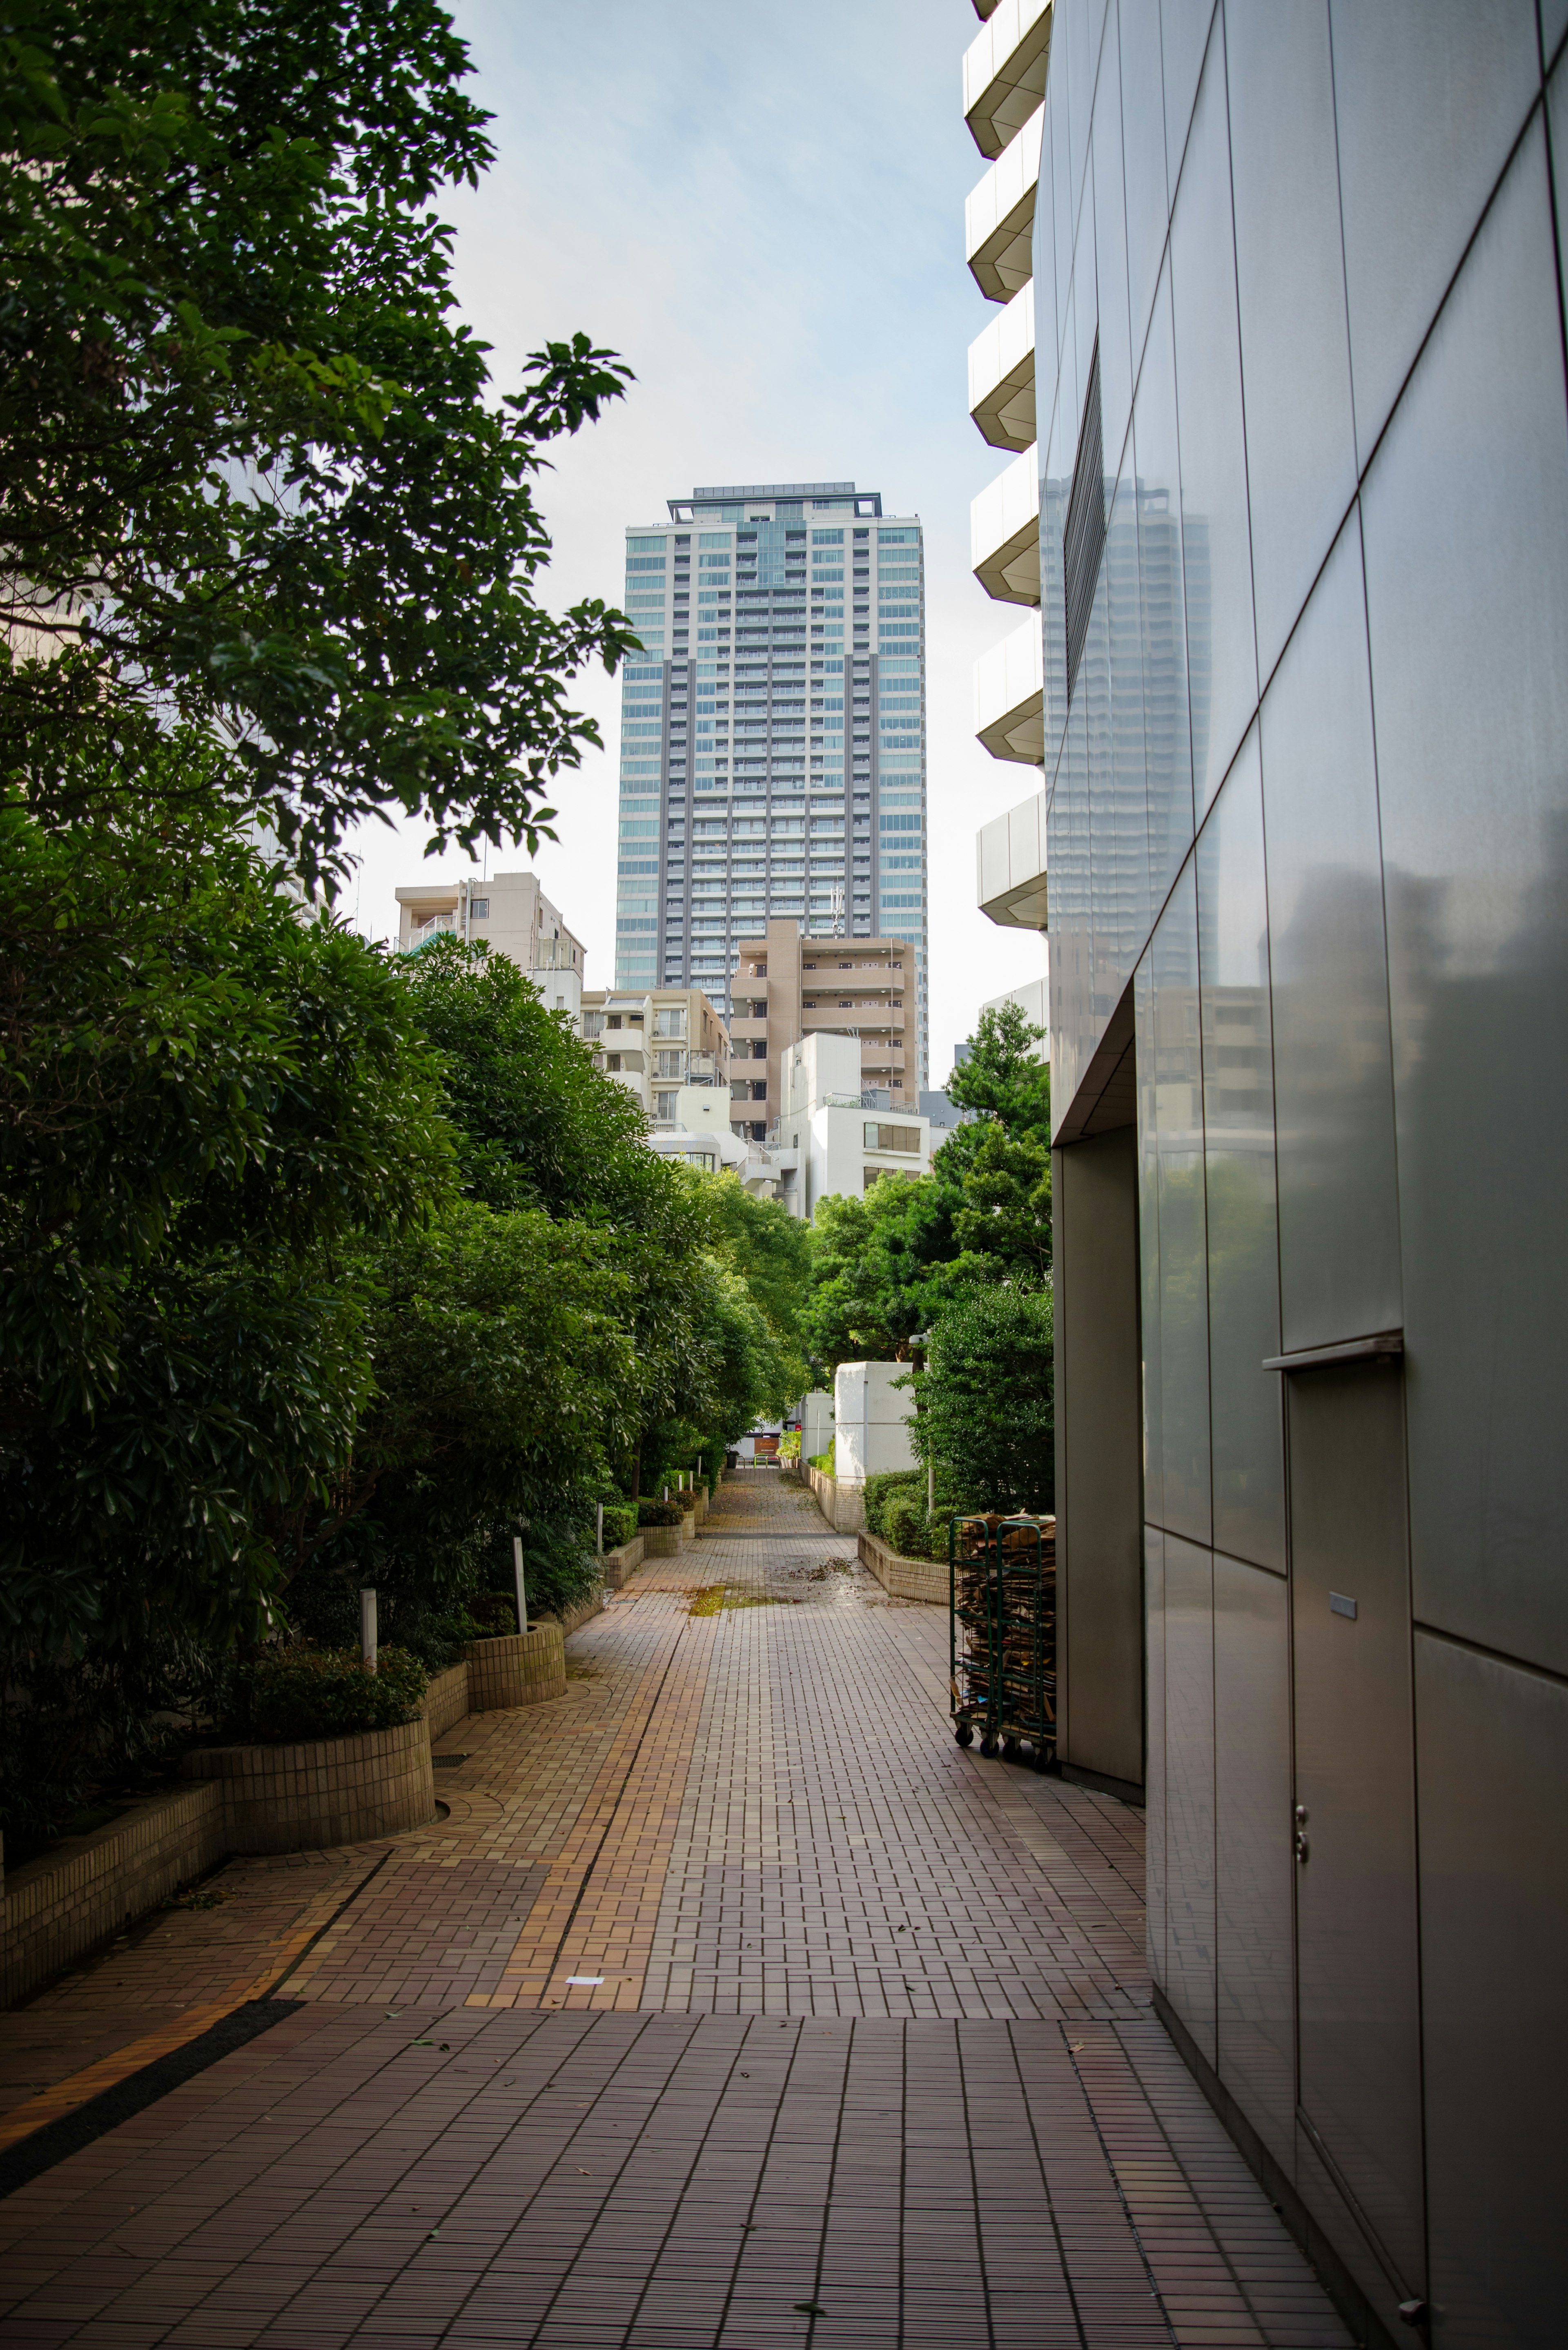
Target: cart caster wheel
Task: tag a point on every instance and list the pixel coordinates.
(1042, 1759)
(1010, 1749)
(990, 1747)
(964, 1734)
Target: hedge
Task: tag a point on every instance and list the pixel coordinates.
(308, 1692)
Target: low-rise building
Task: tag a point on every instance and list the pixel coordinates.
(656, 1042)
(512, 914)
(835, 1136)
(701, 1135)
(787, 988)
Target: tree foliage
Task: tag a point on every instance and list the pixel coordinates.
(251, 469)
(986, 1397)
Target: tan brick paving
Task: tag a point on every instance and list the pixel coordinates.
(872, 2061)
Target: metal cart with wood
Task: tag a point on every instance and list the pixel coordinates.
(1002, 1644)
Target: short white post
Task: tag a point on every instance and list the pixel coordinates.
(367, 1630)
(522, 1593)
(599, 1530)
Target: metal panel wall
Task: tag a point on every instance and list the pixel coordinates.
(1466, 590)
(1339, 1215)
(1254, 1924)
(1492, 1742)
(1190, 1787)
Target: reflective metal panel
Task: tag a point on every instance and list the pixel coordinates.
(1338, 1211)
(1221, 653)
(1093, 692)
(1166, 728)
(1359, 2025)
(1466, 521)
(1190, 1787)
(1079, 32)
(1143, 164)
(1131, 913)
(1063, 212)
(1154, 1759)
(1149, 1237)
(1043, 267)
(1492, 1761)
(1111, 259)
(1183, 1269)
(1253, 1848)
(1289, 272)
(1429, 96)
(1239, 1150)
(1183, 33)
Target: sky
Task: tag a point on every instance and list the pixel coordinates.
(762, 211)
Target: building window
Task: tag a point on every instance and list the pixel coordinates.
(903, 1138)
(671, 1021)
(593, 1024)
(612, 1061)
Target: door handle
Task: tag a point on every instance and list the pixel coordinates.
(1303, 1848)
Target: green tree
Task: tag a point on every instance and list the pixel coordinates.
(877, 1270)
(986, 1397)
(252, 468)
(1002, 1078)
(771, 1251)
(200, 1095)
(1003, 1221)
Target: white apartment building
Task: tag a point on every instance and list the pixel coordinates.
(833, 1138)
(512, 913)
(1004, 73)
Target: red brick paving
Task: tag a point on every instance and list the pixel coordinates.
(874, 2037)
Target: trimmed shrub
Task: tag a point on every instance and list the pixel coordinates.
(659, 1514)
(904, 1526)
(620, 1523)
(305, 1692)
(823, 1461)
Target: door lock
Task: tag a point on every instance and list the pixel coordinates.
(1303, 1848)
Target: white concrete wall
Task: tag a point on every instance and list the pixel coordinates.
(815, 1423)
(872, 1419)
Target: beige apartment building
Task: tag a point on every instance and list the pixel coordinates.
(656, 1042)
(512, 913)
(787, 988)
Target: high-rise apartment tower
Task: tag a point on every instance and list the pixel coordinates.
(754, 783)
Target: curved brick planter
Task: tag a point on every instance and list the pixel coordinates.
(324, 1790)
(524, 1668)
(663, 1541)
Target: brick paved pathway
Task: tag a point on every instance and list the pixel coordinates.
(731, 2004)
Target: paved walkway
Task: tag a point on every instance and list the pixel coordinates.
(731, 2003)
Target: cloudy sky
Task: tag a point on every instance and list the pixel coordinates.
(763, 211)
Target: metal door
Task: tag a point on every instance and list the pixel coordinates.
(1357, 1982)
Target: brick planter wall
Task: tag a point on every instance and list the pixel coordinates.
(60, 1905)
(582, 1611)
(844, 1506)
(446, 1699)
(904, 1578)
(523, 1669)
(663, 1541)
(321, 1792)
(620, 1564)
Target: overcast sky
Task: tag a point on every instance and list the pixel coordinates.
(762, 212)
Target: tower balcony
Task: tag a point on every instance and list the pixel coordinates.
(1004, 72)
(1004, 533)
(1002, 375)
(999, 216)
(1009, 858)
(1009, 696)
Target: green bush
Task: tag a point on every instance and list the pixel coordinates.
(882, 1488)
(620, 1523)
(904, 1525)
(494, 1615)
(823, 1461)
(305, 1692)
(659, 1514)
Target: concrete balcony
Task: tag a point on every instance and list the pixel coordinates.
(1004, 72)
(1004, 533)
(1009, 858)
(1008, 697)
(1002, 375)
(999, 216)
